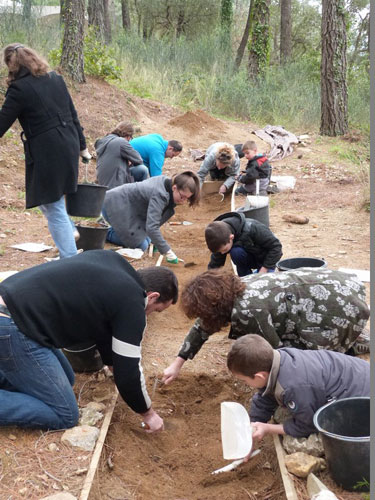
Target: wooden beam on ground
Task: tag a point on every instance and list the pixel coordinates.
(233, 209)
(289, 488)
(98, 449)
(101, 439)
(151, 250)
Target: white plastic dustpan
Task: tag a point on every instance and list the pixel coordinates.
(236, 434)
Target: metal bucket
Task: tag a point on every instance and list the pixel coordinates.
(84, 357)
(91, 238)
(345, 428)
(297, 262)
(87, 201)
(259, 214)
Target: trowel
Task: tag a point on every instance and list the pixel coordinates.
(236, 435)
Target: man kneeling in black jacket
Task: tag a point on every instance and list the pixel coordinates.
(251, 245)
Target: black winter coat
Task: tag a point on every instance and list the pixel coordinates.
(257, 168)
(252, 236)
(52, 134)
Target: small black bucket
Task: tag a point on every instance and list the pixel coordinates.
(92, 237)
(297, 262)
(84, 357)
(87, 201)
(259, 214)
(345, 428)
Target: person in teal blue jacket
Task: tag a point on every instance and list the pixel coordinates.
(154, 149)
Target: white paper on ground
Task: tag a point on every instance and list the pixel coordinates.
(133, 253)
(5, 274)
(32, 247)
(362, 274)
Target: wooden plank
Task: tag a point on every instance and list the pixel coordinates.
(233, 209)
(290, 491)
(210, 187)
(151, 250)
(98, 449)
(101, 439)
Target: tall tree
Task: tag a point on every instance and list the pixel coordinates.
(334, 93)
(95, 11)
(125, 15)
(245, 37)
(226, 19)
(62, 11)
(26, 10)
(260, 39)
(285, 30)
(107, 22)
(72, 47)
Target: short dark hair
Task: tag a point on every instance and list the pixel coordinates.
(188, 180)
(175, 145)
(162, 280)
(249, 355)
(217, 234)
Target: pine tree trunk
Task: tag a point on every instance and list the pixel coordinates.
(245, 38)
(95, 11)
(125, 15)
(334, 94)
(260, 39)
(72, 48)
(285, 30)
(107, 23)
(26, 11)
(226, 19)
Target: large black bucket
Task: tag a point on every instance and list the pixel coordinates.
(92, 237)
(259, 214)
(345, 428)
(84, 357)
(87, 201)
(297, 262)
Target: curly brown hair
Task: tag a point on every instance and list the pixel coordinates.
(17, 55)
(210, 297)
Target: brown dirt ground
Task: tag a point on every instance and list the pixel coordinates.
(175, 464)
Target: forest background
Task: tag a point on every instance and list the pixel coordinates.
(300, 64)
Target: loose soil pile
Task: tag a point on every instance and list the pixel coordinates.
(175, 464)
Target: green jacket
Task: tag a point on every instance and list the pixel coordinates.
(307, 308)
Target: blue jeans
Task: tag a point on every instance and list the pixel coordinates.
(61, 227)
(112, 236)
(245, 262)
(35, 383)
(139, 173)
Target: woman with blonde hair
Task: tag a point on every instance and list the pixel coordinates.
(52, 137)
(222, 163)
(137, 211)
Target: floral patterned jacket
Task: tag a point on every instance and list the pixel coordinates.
(307, 308)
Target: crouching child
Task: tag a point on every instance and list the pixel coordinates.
(301, 381)
(257, 168)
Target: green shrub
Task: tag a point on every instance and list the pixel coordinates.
(99, 60)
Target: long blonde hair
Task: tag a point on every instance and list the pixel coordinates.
(17, 55)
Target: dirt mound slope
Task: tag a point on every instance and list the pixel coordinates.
(194, 121)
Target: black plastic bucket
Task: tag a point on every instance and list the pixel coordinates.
(87, 201)
(345, 428)
(297, 262)
(91, 238)
(84, 357)
(259, 214)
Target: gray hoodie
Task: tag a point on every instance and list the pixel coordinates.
(114, 156)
